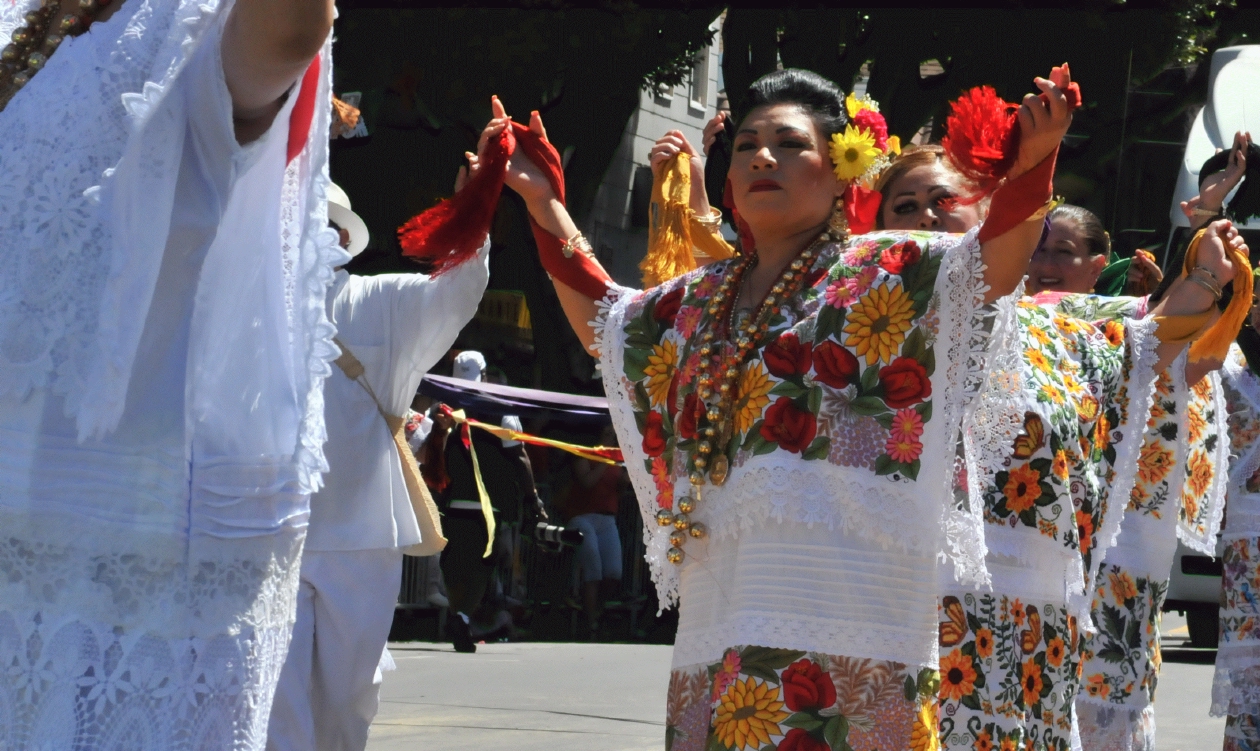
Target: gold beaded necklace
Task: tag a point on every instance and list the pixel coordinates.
(34, 42)
(708, 460)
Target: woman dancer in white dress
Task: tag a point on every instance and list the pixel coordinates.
(163, 342)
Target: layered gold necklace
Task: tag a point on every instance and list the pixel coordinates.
(38, 38)
(717, 388)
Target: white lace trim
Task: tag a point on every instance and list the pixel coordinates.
(609, 326)
(318, 254)
(1236, 683)
(797, 631)
(1205, 541)
(1242, 380)
(1113, 727)
(967, 326)
(1143, 351)
(82, 684)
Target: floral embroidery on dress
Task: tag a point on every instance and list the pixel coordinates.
(1159, 453)
(1008, 673)
(767, 699)
(1122, 659)
(844, 374)
(1240, 591)
(1201, 438)
(1077, 374)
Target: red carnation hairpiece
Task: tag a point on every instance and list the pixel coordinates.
(982, 135)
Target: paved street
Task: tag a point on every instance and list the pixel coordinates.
(611, 697)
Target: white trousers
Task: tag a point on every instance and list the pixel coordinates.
(330, 687)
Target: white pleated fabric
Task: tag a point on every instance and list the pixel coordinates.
(163, 342)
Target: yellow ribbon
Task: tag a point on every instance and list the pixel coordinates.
(487, 510)
(1210, 339)
(674, 230)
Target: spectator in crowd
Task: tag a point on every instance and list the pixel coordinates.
(592, 508)
(508, 479)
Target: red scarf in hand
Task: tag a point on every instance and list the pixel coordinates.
(451, 232)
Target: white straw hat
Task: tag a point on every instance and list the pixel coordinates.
(339, 213)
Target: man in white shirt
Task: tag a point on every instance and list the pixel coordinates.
(397, 326)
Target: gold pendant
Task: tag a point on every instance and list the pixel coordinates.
(720, 468)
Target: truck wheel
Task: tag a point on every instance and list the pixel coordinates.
(1204, 627)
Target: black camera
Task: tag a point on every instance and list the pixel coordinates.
(554, 536)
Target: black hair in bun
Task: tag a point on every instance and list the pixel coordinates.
(818, 96)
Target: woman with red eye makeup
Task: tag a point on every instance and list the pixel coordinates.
(1012, 656)
(776, 412)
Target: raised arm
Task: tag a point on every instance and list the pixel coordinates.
(1042, 124)
(1188, 296)
(546, 209)
(267, 46)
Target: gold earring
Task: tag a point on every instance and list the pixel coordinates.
(838, 224)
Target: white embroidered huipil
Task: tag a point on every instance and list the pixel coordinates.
(1121, 657)
(163, 342)
(822, 544)
(1236, 685)
(398, 326)
(1052, 506)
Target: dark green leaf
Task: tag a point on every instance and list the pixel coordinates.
(806, 722)
(813, 403)
(868, 405)
(818, 449)
(870, 378)
(789, 389)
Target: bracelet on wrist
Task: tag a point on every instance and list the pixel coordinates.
(577, 243)
(1206, 280)
(712, 220)
(1200, 211)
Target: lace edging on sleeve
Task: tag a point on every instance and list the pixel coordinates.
(967, 328)
(1143, 357)
(610, 343)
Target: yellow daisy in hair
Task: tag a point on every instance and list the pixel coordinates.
(853, 152)
(853, 105)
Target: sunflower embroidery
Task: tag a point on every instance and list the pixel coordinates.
(1022, 488)
(878, 322)
(748, 714)
(660, 371)
(958, 676)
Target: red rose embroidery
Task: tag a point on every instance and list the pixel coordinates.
(787, 356)
(789, 426)
(834, 365)
(895, 259)
(653, 435)
(806, 687)
(687, 418)
(905, 382)
(800, 740)
(667, 307)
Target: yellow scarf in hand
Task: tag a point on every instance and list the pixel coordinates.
(1211, 339)
(674, 231)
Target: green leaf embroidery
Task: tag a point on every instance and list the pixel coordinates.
(804, 721)
(819, 449)
(868, 405)
(789, 389)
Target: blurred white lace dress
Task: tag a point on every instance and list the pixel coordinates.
(163, 342)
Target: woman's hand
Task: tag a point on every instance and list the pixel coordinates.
(1144, 274)
(713, 127)
(1041, 125)
(1216, 187)
(1221, 236)
(671, 145)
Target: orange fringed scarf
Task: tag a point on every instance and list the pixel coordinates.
(674, 231)
(1210, 339)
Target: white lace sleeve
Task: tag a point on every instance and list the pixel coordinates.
(1143, 357)
(610, 343)
(969, 331)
